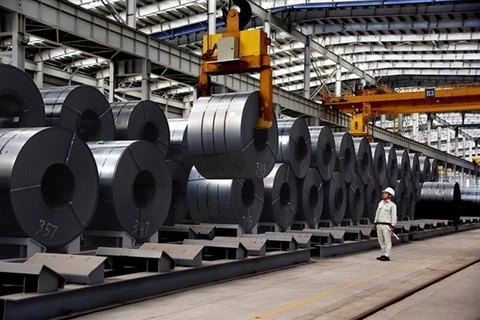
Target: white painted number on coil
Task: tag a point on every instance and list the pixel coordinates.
(142, 227)
(261, 169)
(47, 229)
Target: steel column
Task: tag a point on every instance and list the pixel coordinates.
(338, 82)
(383, 121)
(146, 69)
(400, 123)
(464, 156)
(415, 119)
(439, 138)
(131, 10)
(429, 131)
(212, 16)
(306, 70)
(456, 143)
(38, 75)
(17, 25)
(111, 83)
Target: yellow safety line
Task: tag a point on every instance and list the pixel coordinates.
(350, 285)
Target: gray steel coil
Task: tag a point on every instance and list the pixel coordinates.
(178, 206)
(135, 187)
(310, 198)
(21, 104)
(401, 199)
(179, 142)
(281, 196)
(231, 201)
(346, 162)
(355, 199)
(48, 185)
(363, 152)
(294, 146)
(335, 199)
(411, 201)
(141, 120)
(392, 167)
(81, 109)
(415, 170)
(379, 162)
(424, 168)
(433, 170)
(403, 163)
(439, 200)
(323, 151)
(222, 139)
(373, 195)
(470, 204)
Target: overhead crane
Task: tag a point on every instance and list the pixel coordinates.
(372, 102)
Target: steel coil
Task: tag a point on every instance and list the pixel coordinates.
(141, 120)
(401, 199)
(335, 199)
(355, 199)
(424, 168)
(403, 163)
(281, 196)
(392, 167)
(225, 200)
(433, 170)
(179, 142)
(415, 170)
(379, 162)
(81, 109)
(323, 151)
(178, 206)
(373, 195)
(135, 187)
(470, 204)
(21, 104)
(48, 184)
(222, 139)
(439, 200)
(310, 198)
(346, 162)
(294, 146)
(411, 200)
(363, 152)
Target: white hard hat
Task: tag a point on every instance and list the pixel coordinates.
(390, 190)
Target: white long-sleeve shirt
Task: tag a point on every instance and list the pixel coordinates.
(386, 213)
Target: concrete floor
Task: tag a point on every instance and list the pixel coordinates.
(337, 288)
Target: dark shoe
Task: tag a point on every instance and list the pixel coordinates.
(381, 257)
(384, 258)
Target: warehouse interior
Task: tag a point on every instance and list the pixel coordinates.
(234, 153)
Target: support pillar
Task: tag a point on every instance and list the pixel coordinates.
(439, 138)
(146, 71)
(212, 16)
(338, 82)
(464, 144)
(111, 83)
(429, 130)
(470, 150)
(400, 123)
(277, 111)
(415, 119)
(448, 140)
(16, 24)
(456, 143)
(131, 10)
(383, 121)
(306, 70)
(38, 75)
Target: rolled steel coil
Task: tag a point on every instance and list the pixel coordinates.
(294, 146)
(179, 142)
(373, 195)
(401, 199)
(81, 109)
(310, 198)
(222, 139)
(48, 184)
(178, 206)
(415, 170)
(411, 201)
(379, 162)
(355, 199)
(141, 120)
(470, 204)
(323, 151)
(433, 170)
(363, 152)
(439, 200)
(21, 104)
(225, 200)
(392, 167)
(135, 187)
(424, 168)
(403, 163)
(281, 196)
(346, 162)
(335, 199)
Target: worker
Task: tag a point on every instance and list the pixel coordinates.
(384, 223)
